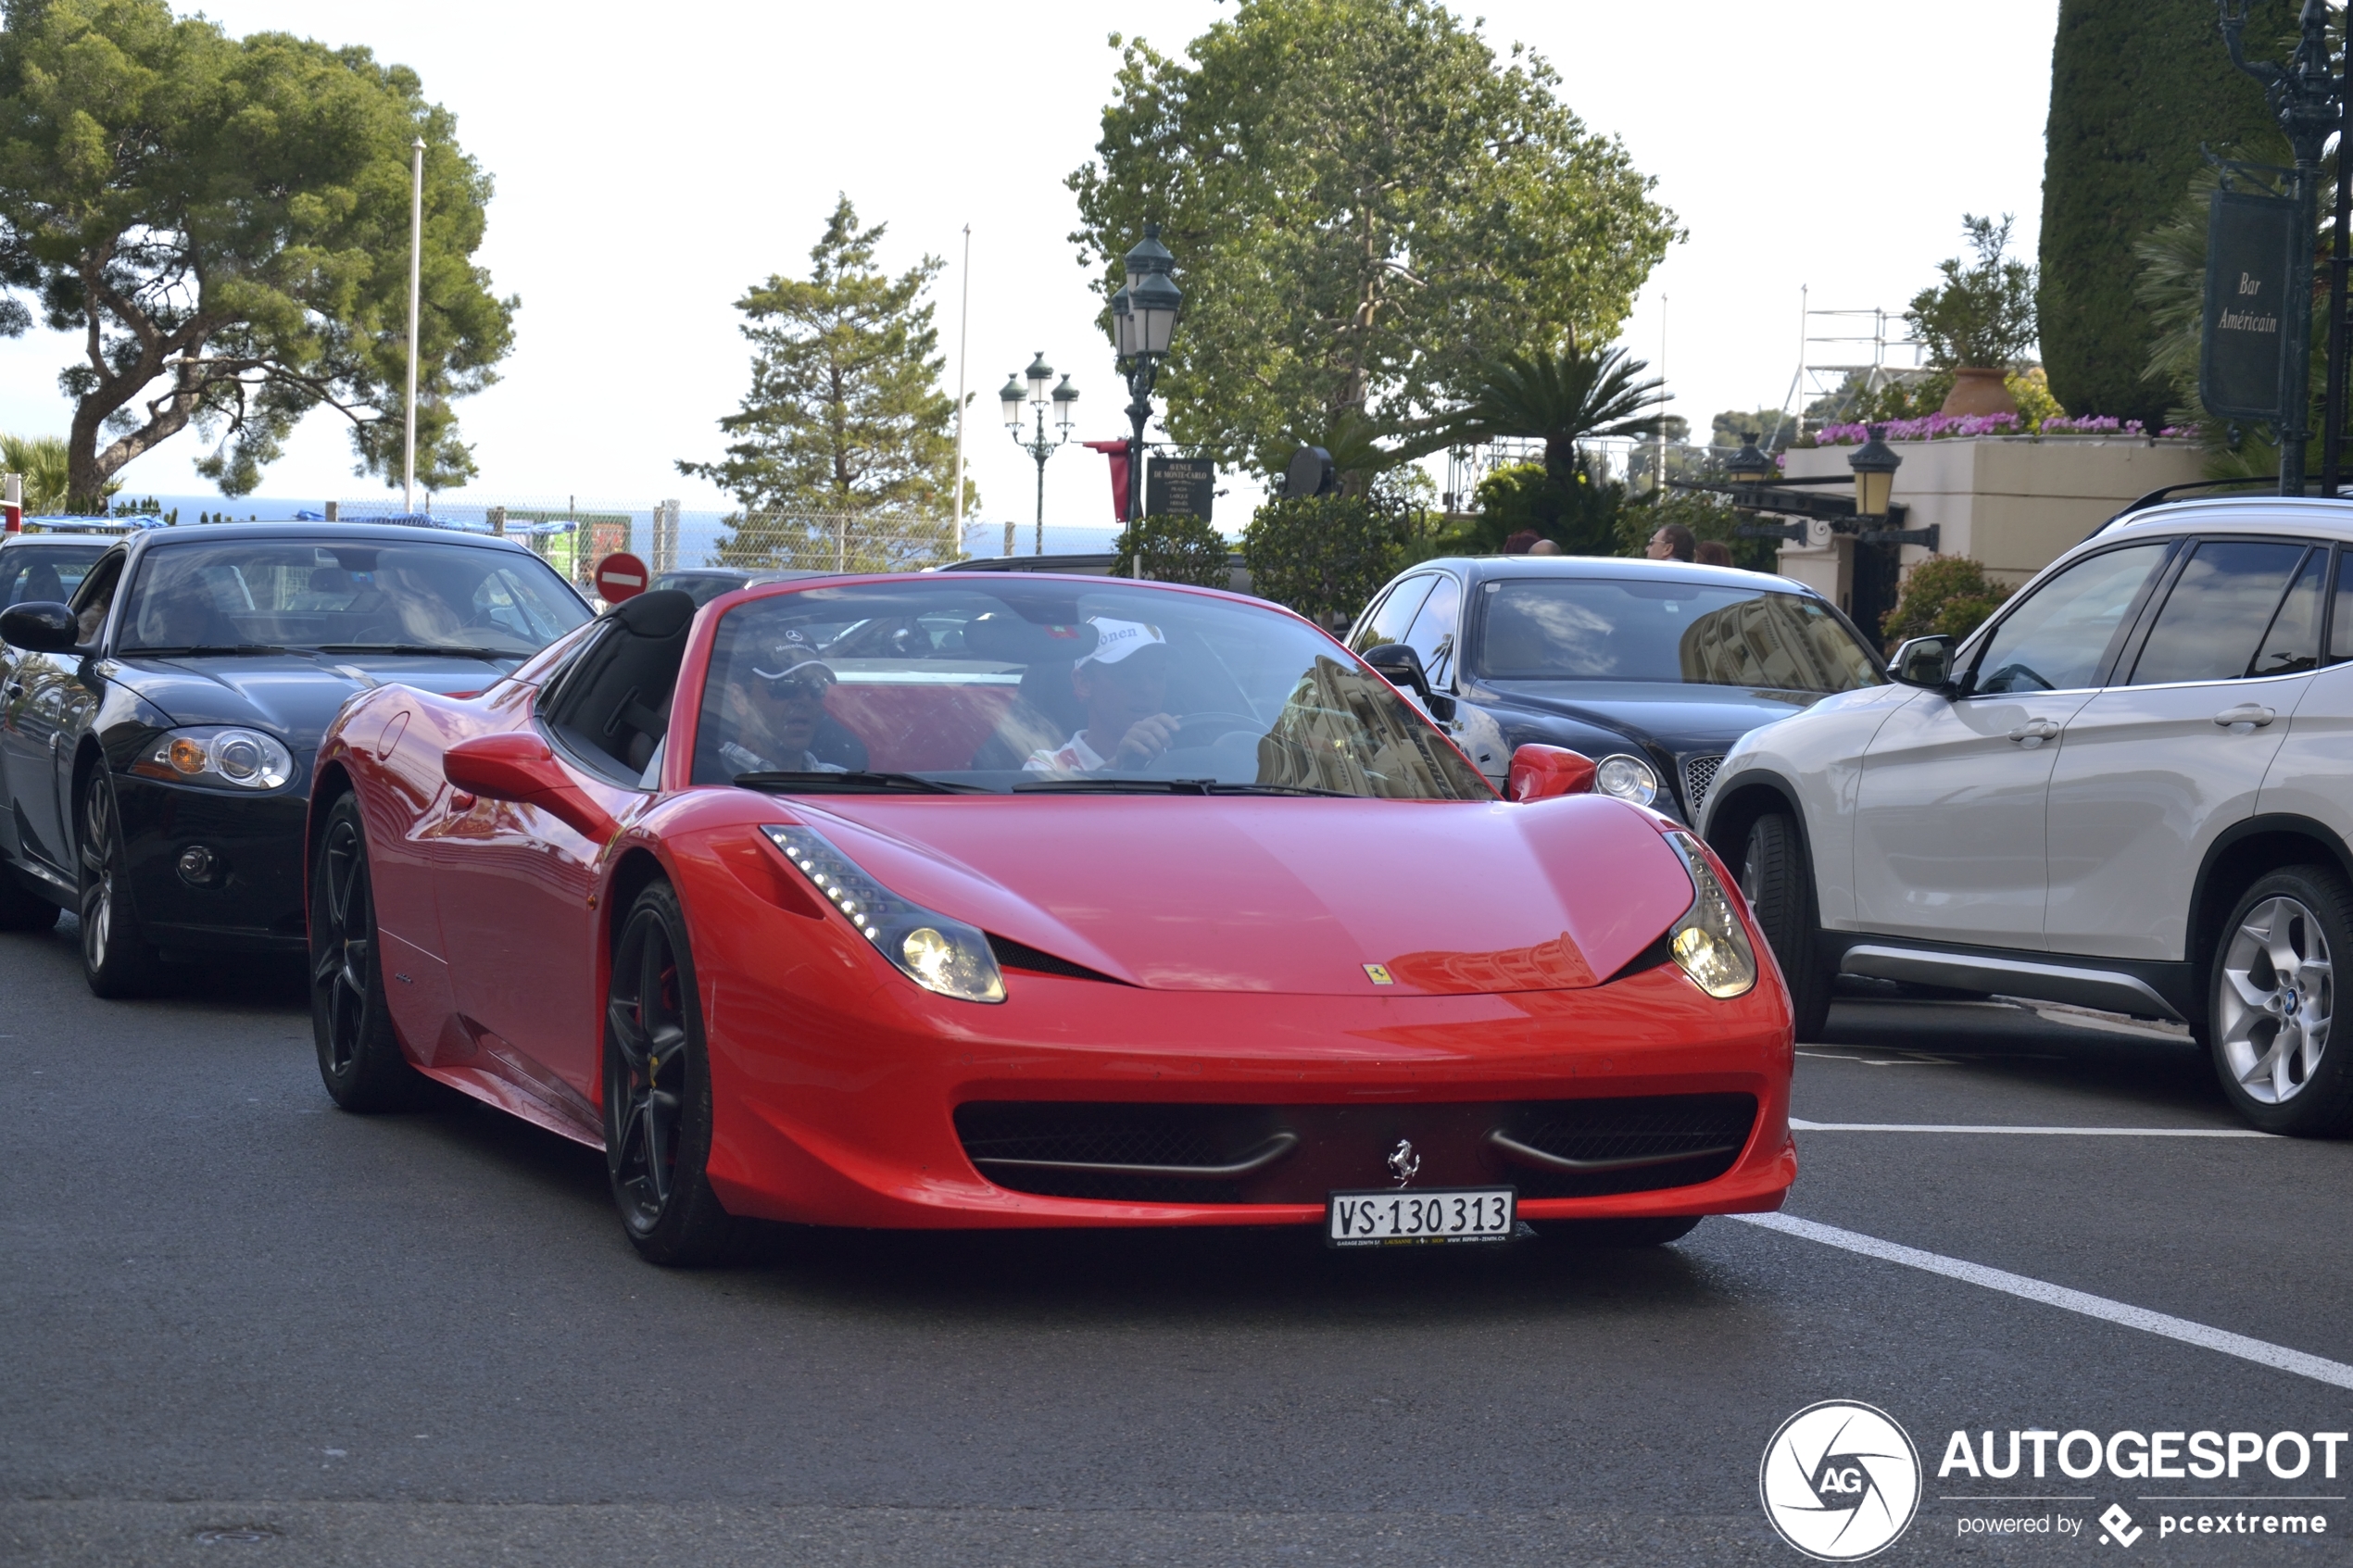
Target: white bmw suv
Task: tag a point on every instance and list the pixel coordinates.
(2131, 790)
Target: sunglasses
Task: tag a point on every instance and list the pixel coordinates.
(804, 690)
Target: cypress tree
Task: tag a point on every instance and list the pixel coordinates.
(2137, 85)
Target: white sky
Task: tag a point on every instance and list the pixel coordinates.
(651, 163)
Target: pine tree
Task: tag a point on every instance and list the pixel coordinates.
(844, 414)
(2136, 86)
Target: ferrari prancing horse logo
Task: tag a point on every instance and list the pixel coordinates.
(1378, 974)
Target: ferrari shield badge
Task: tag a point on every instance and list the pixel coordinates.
(1378, 974)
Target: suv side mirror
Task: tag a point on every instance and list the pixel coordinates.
(517, 765)
(1925, 661)
(1540, 772)
(41, 627)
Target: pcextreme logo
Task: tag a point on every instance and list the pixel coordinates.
(1840, 1480)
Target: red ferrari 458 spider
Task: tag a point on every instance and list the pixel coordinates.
(942, 901)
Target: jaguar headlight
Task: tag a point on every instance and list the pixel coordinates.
(218, 756)
(1628, 778)
(1709, 942)
(936, 952)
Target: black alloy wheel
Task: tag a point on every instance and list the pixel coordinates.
(117, 959)
(359, 1055)
(658, 1091)
(2272, 1003)
(1779, 886)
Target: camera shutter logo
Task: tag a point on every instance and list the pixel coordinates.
(1840, 1480)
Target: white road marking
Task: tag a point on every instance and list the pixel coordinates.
(2263, 1353)
(1798, 1124)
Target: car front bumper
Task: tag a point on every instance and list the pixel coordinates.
(252, 901)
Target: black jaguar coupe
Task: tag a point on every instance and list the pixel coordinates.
(156, 732)
(1650, 668)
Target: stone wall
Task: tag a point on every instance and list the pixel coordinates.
(2015, 503)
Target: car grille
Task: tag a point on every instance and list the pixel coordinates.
(1699, 772)
(1218, 1154)
(1611, 1146)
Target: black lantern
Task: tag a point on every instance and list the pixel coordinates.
(1874, 463)
(1749, 465)
(1143, 323)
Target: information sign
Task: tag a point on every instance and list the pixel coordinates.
(1180, 487)
(2250, 251)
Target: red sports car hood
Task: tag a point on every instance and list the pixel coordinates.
(1289, 895)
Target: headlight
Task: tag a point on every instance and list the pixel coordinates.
(1628, 778)
(223, 758)
(934, 952)
(1709, 941)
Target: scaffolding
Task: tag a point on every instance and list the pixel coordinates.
(1830, 362)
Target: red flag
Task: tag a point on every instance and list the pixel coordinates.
(1117, 452)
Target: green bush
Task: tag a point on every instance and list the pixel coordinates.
(2137, 85)
(1325, 556)
(1945, 595)
(1175, 549)
(1580, 516)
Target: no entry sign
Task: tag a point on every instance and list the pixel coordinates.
(620, 576)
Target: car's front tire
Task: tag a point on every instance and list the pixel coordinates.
(1619, 1234)
(117, 959)
(360, 1057)
(1778, 884)
(657, 1112)
(2272, 1003)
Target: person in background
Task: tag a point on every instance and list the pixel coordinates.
(1712, 552)
(1522, 542)
(1543, 548)
(1672, 542)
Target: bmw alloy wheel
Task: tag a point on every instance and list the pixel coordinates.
(2276, 1001)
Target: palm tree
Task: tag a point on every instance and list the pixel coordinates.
(1561, 399)
(40, 462)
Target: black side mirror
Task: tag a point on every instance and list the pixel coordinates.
(43, 627)
(1925, 661)
(1401, 666)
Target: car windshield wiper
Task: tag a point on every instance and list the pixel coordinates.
(199, 649)
(814, 782)
(1166, 786)
(451, 650)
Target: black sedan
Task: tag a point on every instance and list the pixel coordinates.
(1653, 668)
(157, 732)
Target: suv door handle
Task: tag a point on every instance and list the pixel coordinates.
(2253, 713)
(2034, 731)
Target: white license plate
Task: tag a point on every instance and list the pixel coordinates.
(1405, 1218)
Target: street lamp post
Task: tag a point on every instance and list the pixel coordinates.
(1041, 446)
(1143, 319)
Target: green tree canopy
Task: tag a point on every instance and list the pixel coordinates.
(226, 223)
(2136, 87)
(1364, 201)
(845, 412)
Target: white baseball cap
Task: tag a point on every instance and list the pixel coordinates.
(1115, 640)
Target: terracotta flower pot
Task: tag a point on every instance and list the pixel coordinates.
(1979, 391)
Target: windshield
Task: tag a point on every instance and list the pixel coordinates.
(1042, 686)
(347, 596)
(1687, 633)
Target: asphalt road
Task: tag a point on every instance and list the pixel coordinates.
(242, 1327)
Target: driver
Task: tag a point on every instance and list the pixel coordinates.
(775, 714)
(1121, 686)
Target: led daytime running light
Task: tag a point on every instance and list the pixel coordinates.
(936, 952)
(1709, 942)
